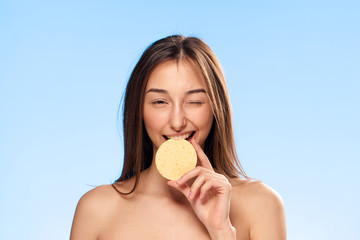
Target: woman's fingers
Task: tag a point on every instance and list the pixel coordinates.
(217, 184)
(203, 159)
(203, 177)
(196, 186)
(191, 174)
(204, 189)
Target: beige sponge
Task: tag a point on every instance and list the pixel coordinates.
(174, 158)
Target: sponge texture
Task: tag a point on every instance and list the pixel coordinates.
(174, 158)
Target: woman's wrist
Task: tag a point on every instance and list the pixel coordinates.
(226, 233)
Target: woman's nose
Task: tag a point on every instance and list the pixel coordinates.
(177, 118)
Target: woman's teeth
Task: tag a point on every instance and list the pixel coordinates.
(184, 136)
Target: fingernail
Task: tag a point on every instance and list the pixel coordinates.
(180, 181)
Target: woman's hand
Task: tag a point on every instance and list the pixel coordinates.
(209, 195)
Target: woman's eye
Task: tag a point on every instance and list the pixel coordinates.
(196, 102)
(159, 102)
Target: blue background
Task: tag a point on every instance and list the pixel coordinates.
(293, 72)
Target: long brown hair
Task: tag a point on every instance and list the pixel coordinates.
(219, 145)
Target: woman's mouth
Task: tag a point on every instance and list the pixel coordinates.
(186, 136)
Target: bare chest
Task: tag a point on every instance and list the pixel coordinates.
(154, 221)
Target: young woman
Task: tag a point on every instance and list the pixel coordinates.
(177, 90)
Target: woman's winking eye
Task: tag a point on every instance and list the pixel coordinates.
(196, 102)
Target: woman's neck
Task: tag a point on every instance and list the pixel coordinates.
(152, 183)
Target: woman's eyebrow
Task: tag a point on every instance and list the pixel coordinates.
(157, 90)
(198, 90)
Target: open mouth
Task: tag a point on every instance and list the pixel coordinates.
(186, 136)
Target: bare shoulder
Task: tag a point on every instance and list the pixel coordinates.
(98, 199)
(94, 211)
(256, 192)
(262, 207)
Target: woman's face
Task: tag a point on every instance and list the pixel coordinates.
(176, 104)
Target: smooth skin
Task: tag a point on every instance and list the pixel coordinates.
(202, 204)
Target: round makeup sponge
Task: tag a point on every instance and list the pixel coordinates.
(174, 158)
